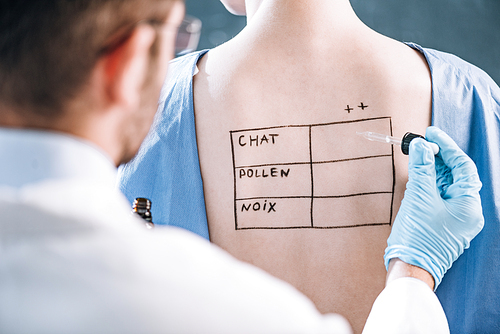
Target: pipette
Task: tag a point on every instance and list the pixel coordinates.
(404, 142)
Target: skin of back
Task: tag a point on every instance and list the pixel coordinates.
(284, 99)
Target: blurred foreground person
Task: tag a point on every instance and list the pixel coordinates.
(78, 85)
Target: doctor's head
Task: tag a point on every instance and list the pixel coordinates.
(90, 68)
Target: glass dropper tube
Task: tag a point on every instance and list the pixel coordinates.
(380, 138)
(404, 142)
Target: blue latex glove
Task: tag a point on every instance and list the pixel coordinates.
(441, 210)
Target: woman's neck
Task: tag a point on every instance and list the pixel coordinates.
(300, 11)
(301, 22)
(301, 25)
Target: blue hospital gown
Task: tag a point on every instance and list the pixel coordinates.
(466, 105)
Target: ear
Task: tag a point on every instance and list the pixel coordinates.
(236, 7)
(124, 69)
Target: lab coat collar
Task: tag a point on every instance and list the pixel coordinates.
(32, 156)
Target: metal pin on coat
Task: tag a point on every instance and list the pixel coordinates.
(142, 207)
(404, 142)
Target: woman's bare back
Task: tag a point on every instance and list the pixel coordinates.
(289, 185)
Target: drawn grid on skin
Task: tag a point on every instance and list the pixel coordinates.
(311, 163)
(312, 175)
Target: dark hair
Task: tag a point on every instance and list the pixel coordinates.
(49, 47)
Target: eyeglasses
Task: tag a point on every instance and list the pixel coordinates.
(188, 35)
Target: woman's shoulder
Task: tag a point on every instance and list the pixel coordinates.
(447, 65)
(180, 73)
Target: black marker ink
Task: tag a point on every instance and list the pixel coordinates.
(266, 169)
(239, 140)
(264, 138)
(285, 174)
(256, 140)
(271, 207)
(246, 208)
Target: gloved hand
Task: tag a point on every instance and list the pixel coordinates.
(441, 210)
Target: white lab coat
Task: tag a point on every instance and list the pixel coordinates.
(74, 260)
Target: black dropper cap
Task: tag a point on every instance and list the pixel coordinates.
(405, 142)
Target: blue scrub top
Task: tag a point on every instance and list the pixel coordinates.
(466, 105)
